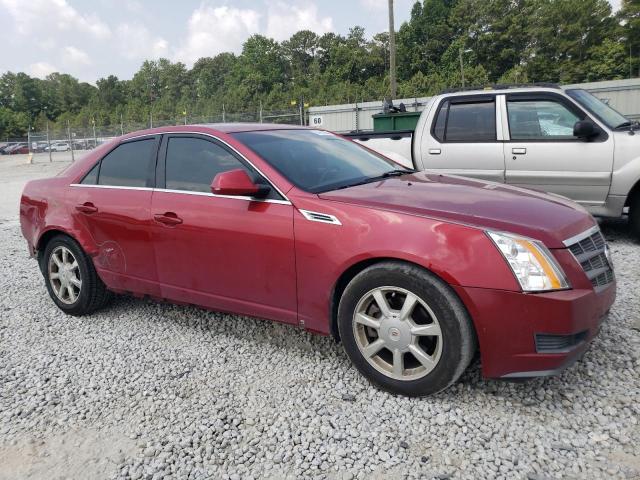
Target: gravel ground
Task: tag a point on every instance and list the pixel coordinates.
(144, 390)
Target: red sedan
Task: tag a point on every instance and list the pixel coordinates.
(413, 272)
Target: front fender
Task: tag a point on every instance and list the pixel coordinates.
(460, 255)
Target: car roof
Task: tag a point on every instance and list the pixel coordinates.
(494, 91)
(250, 127)
(215, 128)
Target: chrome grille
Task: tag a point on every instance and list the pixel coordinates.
(590, 251)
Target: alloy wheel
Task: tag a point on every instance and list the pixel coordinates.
(64, 275)
(397, 333)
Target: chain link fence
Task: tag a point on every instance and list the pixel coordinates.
(66, 142)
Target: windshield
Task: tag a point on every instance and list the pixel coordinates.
(597, 107)
(318, 161)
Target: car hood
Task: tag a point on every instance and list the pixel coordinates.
(488, 205)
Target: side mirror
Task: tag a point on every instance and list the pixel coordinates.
(584, 129)
(237, 183)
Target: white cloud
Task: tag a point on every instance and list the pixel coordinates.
(41, 69)
(42, 15)
(212, 30)
(74, 56)
(380, 5)
(283, 20)
(136, 42)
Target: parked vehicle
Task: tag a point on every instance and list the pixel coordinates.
(17, 148)
(564, 141)
(59, 147)
(412, 271)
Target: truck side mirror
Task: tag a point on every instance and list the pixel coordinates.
(584, 129)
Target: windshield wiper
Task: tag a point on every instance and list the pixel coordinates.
(624, 125)
(390, 173)
(396, 173)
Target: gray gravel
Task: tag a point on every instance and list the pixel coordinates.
(143, 390)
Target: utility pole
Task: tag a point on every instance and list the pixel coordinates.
(392, 52)
(73, 157)
(462, 68)
(49, 142)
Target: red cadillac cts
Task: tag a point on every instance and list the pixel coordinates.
(413, 272)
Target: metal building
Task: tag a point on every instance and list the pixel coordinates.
(623, 95)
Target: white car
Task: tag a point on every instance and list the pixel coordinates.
(544, 137)
(59, 147)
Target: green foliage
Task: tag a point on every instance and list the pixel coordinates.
(498, 40)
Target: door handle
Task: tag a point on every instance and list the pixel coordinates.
(519, 151)
(168, 218)
(87, 207)
(435, 151)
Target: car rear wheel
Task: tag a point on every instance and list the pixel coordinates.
(71, 278)
(405, 329)
(634, 215)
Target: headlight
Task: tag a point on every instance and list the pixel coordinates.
(531, 262)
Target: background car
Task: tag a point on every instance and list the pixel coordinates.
(59, 147)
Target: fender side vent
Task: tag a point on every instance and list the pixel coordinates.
(320, 217)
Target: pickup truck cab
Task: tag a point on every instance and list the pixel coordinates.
(562, 141)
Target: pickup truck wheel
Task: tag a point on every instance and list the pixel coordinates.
(71, 278)
(634, 215)
(405, 329)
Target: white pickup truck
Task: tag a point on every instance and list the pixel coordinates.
(564, 141)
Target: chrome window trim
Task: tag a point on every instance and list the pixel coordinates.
(312, 217)
(581, 236)
(215, 195)
(113, 187)
(186, 192)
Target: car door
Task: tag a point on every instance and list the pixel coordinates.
(542, 153)
(463, 139)
(113, 204)
(227, 253)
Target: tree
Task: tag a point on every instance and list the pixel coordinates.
(629, 18)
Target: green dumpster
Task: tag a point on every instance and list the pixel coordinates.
(389, 122)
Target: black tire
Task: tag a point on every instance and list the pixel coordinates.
(634, 215)
(458, 339)
(93, 294)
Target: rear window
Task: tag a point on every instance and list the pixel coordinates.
(471, 122)
(127, 165)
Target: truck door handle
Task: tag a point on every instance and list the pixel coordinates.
(87, 207)
(168, 218)
(519, 151)
(435, 151)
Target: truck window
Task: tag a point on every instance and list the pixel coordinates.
(540, 120)
(469, 121)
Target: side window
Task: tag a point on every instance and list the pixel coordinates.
(471, 122)
(441, 120)
(540, 120)
(192, 164)
(91, 178)
(127, 165)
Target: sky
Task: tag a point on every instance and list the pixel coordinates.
(91, 39)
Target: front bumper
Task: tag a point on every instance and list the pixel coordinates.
(507, 324)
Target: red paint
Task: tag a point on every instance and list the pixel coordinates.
(267, 260)
(235, 182)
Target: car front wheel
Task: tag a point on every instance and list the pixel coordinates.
(405, 329)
